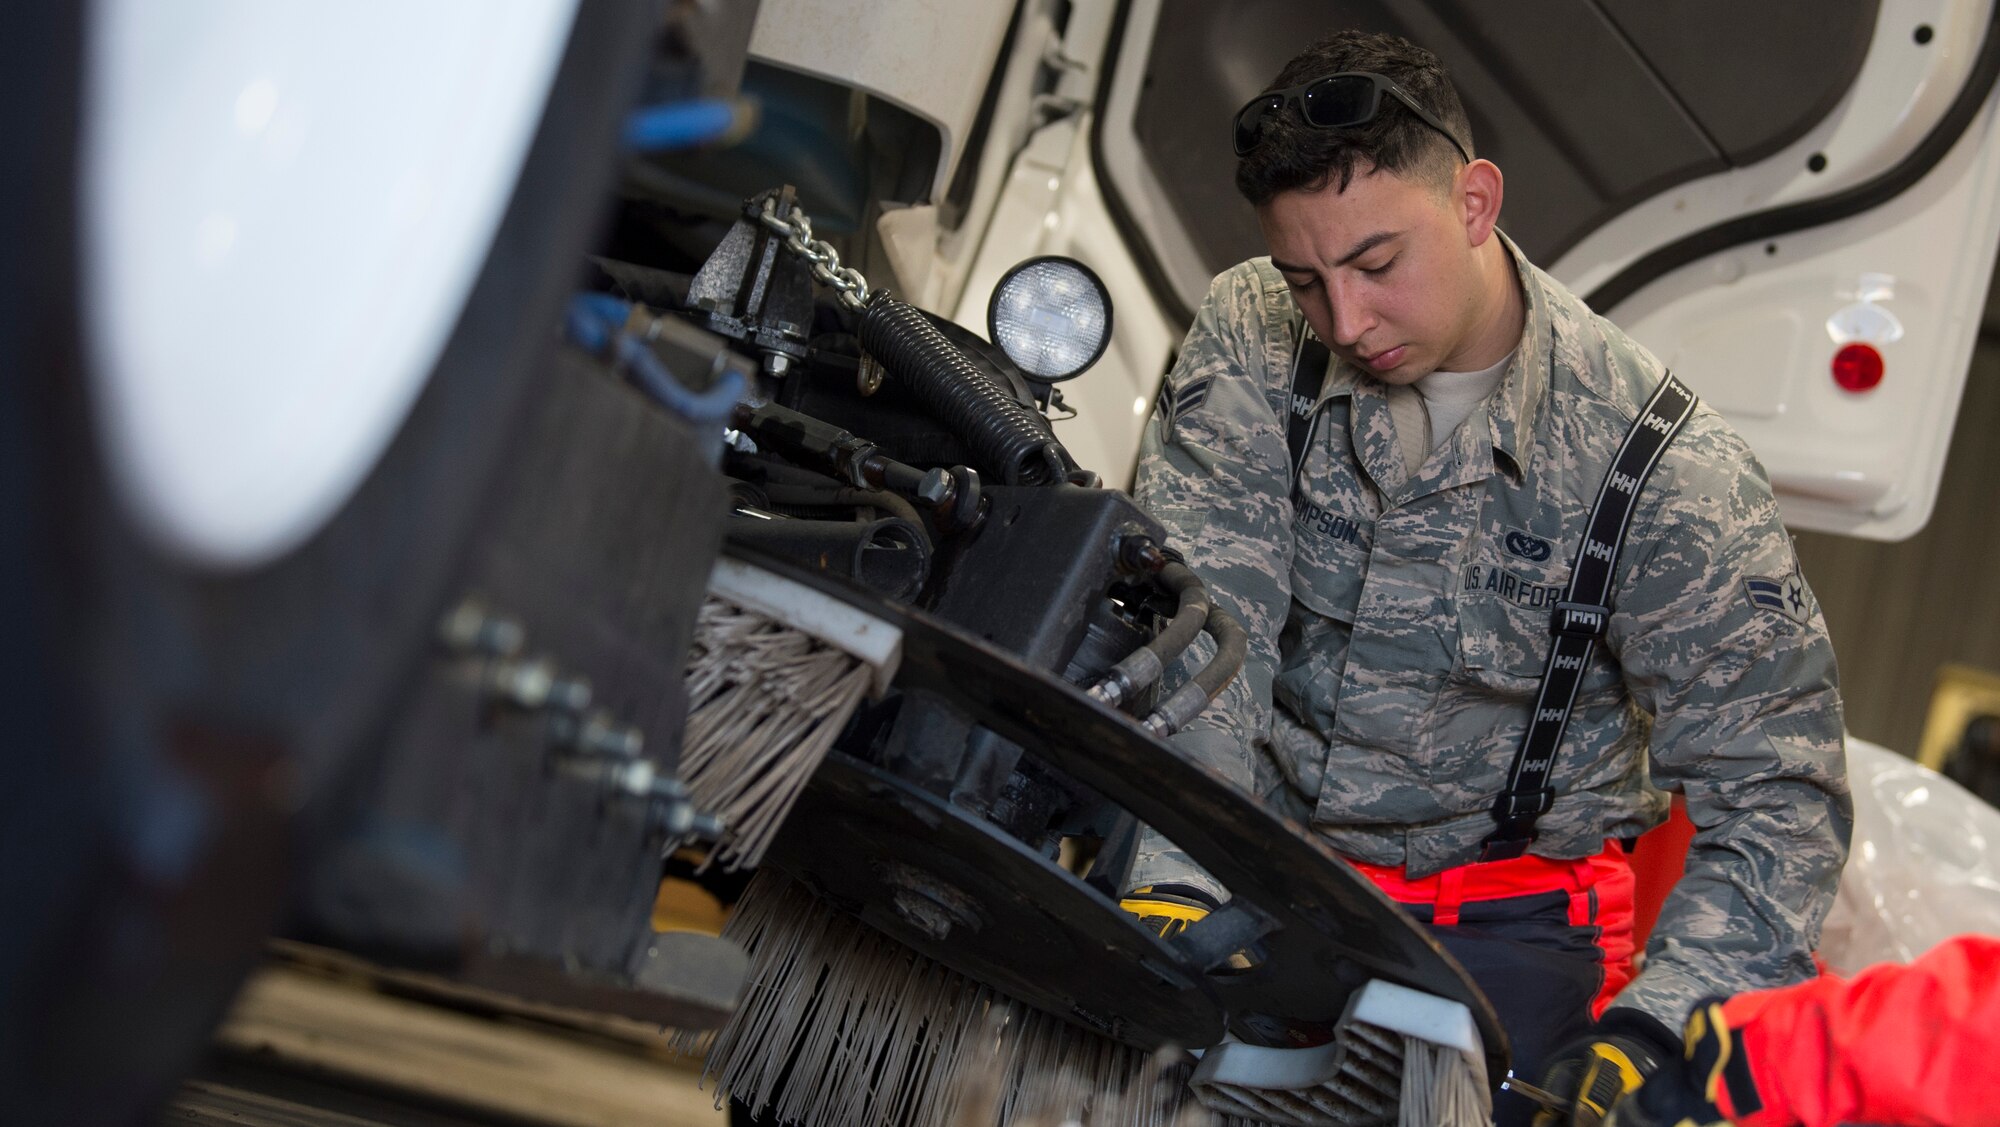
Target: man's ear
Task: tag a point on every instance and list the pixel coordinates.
(1480, 189)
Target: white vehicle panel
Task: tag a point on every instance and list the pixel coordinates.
(931, 57)
(1902, 90)
(285, 208)
(1748, 331)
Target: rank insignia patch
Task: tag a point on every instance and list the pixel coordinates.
(1172, 404)
(1785, 595)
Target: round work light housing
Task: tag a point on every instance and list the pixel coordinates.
(1052, 317)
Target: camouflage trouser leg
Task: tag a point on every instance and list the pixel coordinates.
(1159, 861)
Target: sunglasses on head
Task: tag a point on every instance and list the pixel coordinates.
(1333, 101)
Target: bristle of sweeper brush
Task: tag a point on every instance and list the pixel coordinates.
(765, 702)
(843, 1027)
(1443, 1085)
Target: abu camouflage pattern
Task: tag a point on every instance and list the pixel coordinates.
(1399, 625)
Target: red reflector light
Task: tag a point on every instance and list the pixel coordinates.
(1857, 367)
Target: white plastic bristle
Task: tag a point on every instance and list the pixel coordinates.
(1442, 1085)
(843, 1027)
(765, 702)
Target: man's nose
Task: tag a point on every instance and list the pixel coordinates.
(1351, 319)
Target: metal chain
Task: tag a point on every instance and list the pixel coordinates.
(796, 229)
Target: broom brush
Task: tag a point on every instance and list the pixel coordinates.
(775, 672)
(842, 1026)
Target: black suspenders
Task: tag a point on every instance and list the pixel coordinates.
(1309, 362)
(1581, 617)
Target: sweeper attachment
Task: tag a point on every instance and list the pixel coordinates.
(933, 688)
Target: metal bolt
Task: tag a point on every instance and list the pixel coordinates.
(570, 694)
(599, 735)
(537, 684)
(1140, 554)
(777, 364)
(621, 740)
(676, 817)
(469, 628)
(524, 683)
(632, 777)
(680, 820)
(935, 488)
(669, 811)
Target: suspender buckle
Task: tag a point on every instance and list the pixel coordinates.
(1505, 849)
(1524, 804)
(1580, 620)
(1516, 812)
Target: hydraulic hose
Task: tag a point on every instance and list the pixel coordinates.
(1149, 662)
(890, 556)
(838, 496)
(1007, 434)
(1232, 648)
(597, 322)
(683, 125)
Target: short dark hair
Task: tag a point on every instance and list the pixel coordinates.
(1293, 154)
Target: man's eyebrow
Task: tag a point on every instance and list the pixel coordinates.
(1367, 243)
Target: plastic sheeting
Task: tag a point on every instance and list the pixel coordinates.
(1925, 863)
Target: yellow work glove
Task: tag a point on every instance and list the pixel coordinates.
(1712, 1061)
(1592, 1076)
(1167, 909)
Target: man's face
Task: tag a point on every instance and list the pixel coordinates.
(1385, 271)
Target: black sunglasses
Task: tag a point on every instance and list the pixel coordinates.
(1333, 101)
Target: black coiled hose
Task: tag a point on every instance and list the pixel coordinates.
(1008, 435)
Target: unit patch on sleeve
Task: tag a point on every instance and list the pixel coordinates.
(1172, 404)
(1783, 595)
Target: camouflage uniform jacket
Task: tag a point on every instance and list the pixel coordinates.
(1399, 625)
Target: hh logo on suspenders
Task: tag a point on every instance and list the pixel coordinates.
(1582, 615)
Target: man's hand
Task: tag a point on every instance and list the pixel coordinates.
(1167, 909)
(1688, 1092)
(1594, 1075)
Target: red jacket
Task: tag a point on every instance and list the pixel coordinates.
(1907, 1045)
